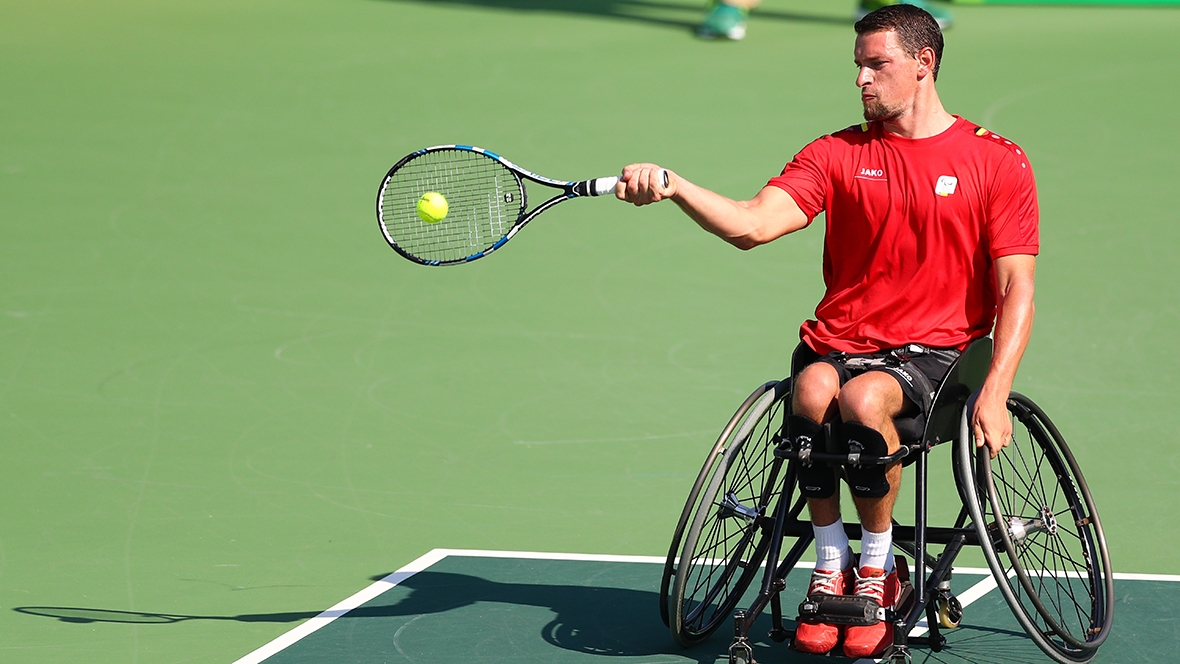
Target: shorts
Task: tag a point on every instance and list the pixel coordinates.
(918, 369)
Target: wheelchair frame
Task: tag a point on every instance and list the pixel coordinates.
(744, 506)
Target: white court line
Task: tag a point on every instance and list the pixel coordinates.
(983, 587)
(313, 624)
(1128, 576)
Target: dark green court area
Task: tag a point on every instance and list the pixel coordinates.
(499, 610)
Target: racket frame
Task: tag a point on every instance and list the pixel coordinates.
(569, 189)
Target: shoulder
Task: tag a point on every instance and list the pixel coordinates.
(840, 142)
(857, 134)
(991, 145)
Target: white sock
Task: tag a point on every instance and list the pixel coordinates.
(831, 546)
(877, 549)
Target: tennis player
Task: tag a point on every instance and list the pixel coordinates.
(931, 242)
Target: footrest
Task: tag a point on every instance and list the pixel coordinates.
(842, 610)
(854, 610)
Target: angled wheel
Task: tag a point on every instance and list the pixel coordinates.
(1040, 533)
(690, 505)
(719, 544)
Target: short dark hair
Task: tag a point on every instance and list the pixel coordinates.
(915, 27)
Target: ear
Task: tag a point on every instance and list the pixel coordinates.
(926, 59)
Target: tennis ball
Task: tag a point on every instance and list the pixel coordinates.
(432, 207)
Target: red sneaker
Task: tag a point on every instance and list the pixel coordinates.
(819, 638)
(872, 640)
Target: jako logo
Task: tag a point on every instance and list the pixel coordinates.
(871, 174)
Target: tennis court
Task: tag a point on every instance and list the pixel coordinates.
(227, 405)
(519, 606)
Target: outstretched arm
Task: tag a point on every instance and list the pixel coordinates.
(1014, 288)
(744, 224)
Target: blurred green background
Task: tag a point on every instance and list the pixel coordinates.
(222, 394)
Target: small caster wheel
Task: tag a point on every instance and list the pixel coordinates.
(741, 653)
(950, 611)
(899, 655)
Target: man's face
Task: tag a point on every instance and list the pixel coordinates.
(887, 78)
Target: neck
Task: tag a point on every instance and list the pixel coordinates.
(924, 119)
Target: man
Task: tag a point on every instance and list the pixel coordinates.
(727, 18)
(931, 239)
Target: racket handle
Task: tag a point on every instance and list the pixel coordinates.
(603, 186)
(607, 185)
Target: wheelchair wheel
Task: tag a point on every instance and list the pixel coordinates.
(690, 504)
(1032, 506)
(721, 526)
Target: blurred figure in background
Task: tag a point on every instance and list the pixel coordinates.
(727, 18)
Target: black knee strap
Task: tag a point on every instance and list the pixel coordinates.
(816, 480)
(866, 481)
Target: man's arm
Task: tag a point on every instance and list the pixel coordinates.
(1015, 276)
(744, 224)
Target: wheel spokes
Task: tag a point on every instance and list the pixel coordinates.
(1047, 536)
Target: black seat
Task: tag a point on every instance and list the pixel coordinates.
(964, 377)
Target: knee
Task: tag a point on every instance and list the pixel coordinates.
(815, 390)
(871, 402)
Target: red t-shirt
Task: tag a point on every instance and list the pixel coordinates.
(913, 227)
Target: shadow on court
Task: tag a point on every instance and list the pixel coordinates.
(681, 15)
(86, 616)
(450, 611)
(495, 611)
(588, 620)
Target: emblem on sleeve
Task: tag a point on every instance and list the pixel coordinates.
(946, 185)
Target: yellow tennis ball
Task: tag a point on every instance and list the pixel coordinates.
(432, 207)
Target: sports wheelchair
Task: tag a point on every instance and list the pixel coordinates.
(1029, 510)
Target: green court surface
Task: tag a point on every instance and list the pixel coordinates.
(226, 403)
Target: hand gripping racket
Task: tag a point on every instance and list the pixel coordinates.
(483, 204)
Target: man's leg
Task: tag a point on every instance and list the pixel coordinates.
(814, 398)
(873, 400)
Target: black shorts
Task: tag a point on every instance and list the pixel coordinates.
(918, 369)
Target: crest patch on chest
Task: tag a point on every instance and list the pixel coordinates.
(946, 185)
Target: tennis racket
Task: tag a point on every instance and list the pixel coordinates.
(486, 203)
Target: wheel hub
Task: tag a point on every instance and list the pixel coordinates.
(1049, 520)
(1020, 529)
(731, 507)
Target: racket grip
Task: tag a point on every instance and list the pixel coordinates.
(603, 186)
(607, 185)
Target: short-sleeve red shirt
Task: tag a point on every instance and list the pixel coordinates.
(913, 229)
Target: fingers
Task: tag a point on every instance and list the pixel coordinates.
(644, 184)
(977, 434)
(991, 424)
(996, 438)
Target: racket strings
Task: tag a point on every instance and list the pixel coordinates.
(485, 201)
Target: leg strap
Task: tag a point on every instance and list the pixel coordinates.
(866, 481)
(816, 480)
